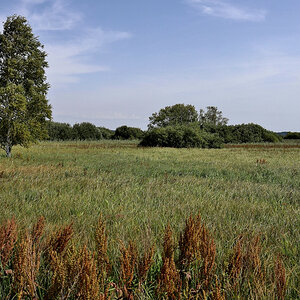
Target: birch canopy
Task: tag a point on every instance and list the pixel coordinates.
(24, 107)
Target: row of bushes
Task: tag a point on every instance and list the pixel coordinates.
(180, 136)
(209, 136)
(243, 133)
(292, 136)
(87, 131)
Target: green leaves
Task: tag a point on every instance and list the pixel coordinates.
(178, 114)
(24, 107)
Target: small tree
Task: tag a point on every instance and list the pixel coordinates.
(86, 131)
(178, 114)
(212, 116)
(59, 131)
(24, 107)
(128, 133)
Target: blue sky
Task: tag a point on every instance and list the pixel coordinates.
(115, 62)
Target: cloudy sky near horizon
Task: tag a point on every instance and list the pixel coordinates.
(115, 62)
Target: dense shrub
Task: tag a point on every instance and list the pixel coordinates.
(243, 133)
(83, 131)
(180, 137)
(59, 131)
(292, 136)
(86, 131)
(128, 133)
(106, 133)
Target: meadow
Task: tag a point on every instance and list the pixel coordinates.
(238, 191)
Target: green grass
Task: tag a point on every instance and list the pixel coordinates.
(140, 190)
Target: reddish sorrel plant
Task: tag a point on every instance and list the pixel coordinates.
(169, 282)
(8, 237)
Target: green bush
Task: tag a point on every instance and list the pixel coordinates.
(59, 131)
(292, 136)
(128, 133)
(243, 133)
(86, 131)
(180, 137)
(106, 133)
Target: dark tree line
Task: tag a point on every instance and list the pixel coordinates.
(88, 131)
(177, 126)
(292, 136)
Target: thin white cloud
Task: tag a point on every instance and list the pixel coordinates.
(226, 10)
(50, 14)
(69, 59)
(72, 57)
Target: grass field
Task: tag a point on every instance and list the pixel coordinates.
(250, 191)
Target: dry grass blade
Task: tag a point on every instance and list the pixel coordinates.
(8, 237)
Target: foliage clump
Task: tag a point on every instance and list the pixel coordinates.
(24, 107)
(86, 131)
(128, 133)
(180, 126)
(180, 137)
(292, 136)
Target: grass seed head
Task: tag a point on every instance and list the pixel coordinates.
(38, 230)
(8, 237)
(169, 282)
(128, 262)
(280, 278)
(26, 268)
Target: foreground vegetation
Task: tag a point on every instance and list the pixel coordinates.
(248, 199)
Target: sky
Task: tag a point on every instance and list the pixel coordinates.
(115, 62)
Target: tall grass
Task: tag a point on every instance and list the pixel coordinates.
(53, 268)
(138, 191)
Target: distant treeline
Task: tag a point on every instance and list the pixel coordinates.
(188, 135)
(292, 136)
(88, 131)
